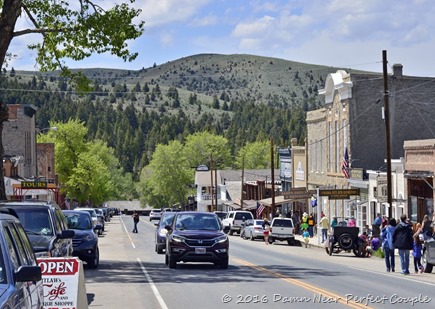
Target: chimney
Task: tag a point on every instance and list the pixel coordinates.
(397, 70)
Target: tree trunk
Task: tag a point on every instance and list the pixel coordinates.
(8, 18)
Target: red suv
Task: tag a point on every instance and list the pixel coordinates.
(196, 237)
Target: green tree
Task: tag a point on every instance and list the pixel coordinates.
(89, 180)
(170, 174)
(256, 155)
(68, 30)
(199, 146)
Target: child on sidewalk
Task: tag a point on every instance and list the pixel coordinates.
(306, 236)
(416, 253)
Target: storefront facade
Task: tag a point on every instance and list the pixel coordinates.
(419, 173)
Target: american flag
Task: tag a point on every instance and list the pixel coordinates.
(260, 208)
(345, 164)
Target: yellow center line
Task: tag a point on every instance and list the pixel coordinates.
(307, 286)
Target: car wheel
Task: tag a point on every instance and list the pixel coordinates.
(224, 263)
(271, 240)
(231, 232)
(95, 261)
(291, 242)
(166, 259)
(345, 241)
(427, 266)
(159, 250)
(100, 232)
(171, 262)
(252, 237)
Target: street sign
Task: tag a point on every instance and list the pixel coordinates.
(298, 194)
(339, 194)
(382, 189)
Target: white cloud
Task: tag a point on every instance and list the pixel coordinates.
(163, 12)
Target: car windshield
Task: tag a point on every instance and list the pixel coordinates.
(91, 211)
(78, 221)
(167, 218)
(283, 223)
(36, 221)
(197, 221)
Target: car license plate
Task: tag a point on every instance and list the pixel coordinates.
(199, 250)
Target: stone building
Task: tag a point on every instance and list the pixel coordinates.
(352, 118)
(19, 138)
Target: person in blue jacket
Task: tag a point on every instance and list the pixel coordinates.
(387, 244)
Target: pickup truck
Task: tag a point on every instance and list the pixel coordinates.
(282, 229)
(234, 220)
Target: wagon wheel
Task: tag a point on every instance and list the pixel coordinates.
(331, 248)
(345, 241)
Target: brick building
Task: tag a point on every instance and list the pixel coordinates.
(419, 173)
(352, 118)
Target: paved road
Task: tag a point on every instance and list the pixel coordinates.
(132, 275)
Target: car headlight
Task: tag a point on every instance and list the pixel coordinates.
(163, 232)
(221, 239)
(177, 238)
(89, 237)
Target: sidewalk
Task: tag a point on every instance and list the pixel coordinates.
(314, 242)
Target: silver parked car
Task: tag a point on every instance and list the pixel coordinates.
(253, 229)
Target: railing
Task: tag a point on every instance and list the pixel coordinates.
(207, 197)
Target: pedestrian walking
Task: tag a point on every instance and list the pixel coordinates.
(416, 253)
(403, 240)
(306, 237)
(426, 227)
(387, 244)
(324, 224)
(334, 222)
(266, 229)
(304, 225)
(311, 223)
(135, 221)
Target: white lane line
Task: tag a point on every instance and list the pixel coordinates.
(153, 286)
(128, 234)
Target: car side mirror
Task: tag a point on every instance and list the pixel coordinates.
(168, 228)
(66, 234)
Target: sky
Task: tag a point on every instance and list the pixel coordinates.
(340, 33)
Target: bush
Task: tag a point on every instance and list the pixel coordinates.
(379, 253)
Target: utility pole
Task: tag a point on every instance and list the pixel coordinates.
(216, 184)
(272, 164)
(243, 177)
(211, 181)
(387, 133)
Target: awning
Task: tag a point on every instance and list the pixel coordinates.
(418, 174)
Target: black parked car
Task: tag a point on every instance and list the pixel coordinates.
(196, 237)
(45, 225)
(85, 242)
(20, 275)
